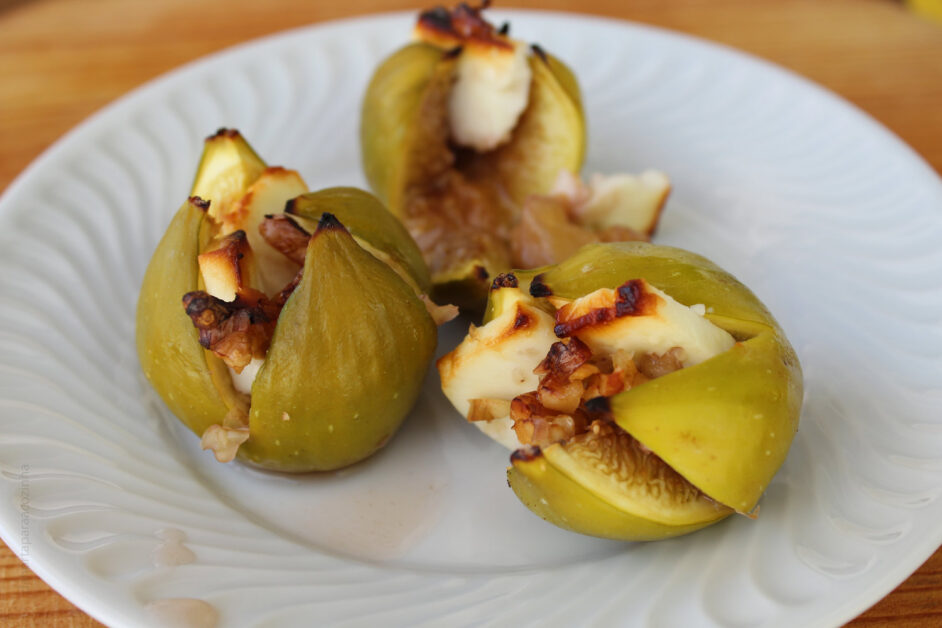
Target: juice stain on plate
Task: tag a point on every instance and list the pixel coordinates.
(183, 612)
(379, 523)
(171, 552)
(381, 509)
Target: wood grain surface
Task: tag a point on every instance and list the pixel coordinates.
(61, 60)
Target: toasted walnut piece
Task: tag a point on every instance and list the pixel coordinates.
(652, 365)
(623, 360)
(563, 397)
(535, 424)
(286, 236)
(282, 297)
(236, 331)
(602, 385)
(224, 441)
(488, 409)
(583, 372)
(441, 314)
(616, 374)
(573, 383)
(630, 374)
(564, 358)
(557, 391)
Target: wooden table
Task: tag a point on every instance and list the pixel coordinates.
(60, 60)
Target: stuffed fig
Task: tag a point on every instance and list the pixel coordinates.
(475, 140)
(646, 392)
(304, 332)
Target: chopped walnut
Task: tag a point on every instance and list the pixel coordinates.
(652, 365)
(236, 331)
(224, 440)
(441, 314)
(488, 409)
(536, 424)
(282, 297)
(286, 236)
(564, 358)
(571, 377)
(617, 374)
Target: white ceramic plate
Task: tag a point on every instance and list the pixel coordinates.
(831, 219)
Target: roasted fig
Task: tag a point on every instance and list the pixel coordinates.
(303, 337)
(463, 133)
(458, 128)
(646, 391)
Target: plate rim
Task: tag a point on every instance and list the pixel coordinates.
(90, 599)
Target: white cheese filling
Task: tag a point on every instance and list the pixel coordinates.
(496, 361)
(628, 200)
(670, 324)
(491, 91)
(243, 381)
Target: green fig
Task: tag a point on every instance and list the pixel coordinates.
(457, 130)
(647, 391)
(292, 351)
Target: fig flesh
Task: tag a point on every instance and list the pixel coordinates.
(226, 170)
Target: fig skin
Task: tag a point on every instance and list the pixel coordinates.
(407, 90)
(389, 129)
(367, 220)
(167, 343)
(346, 363)
(725, 424)
(350, 348)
